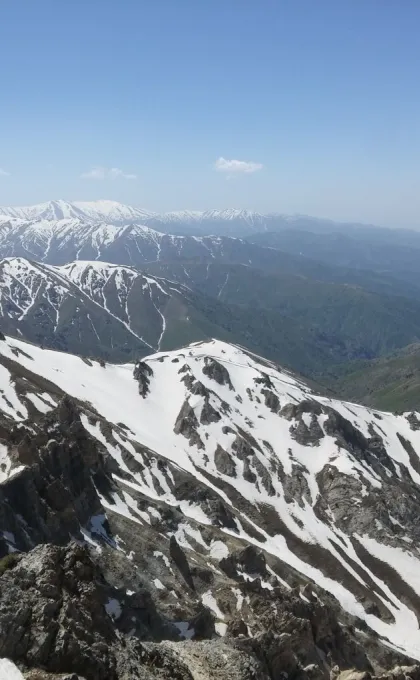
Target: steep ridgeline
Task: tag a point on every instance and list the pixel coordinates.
(97, 309)
(202, 514)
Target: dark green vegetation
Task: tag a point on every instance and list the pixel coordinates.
(8, 562)
(391, 254)
(391, 383)
(310, 324)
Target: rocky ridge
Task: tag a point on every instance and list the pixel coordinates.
(201, 514)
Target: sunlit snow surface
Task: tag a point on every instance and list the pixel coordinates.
(8, 671)
(113, 393)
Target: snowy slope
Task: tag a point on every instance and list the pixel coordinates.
(328, 491)
(8, 671)
(112, 211)
(97, 211)
(51, 210)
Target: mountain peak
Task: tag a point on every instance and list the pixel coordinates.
(96, 211)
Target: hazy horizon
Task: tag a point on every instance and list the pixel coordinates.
(299, 108)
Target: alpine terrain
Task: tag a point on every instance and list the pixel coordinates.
(201, 513)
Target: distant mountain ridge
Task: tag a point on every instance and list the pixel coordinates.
(228, 222)
(95, 308)
(97, 211)
(119, 313)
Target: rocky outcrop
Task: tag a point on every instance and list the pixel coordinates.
(216, 371)
(57, 489)
(180, 559)
(223, 462)
(242, 448)
(187, 425)
(265, 380)
(295, 411)
(52, 614)
(142, 373)
(209, 414)
(347, 436)
(249, 560)
(413, 421)
(307, 435)
(271, 400)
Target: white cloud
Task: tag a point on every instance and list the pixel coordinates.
(3, 173)
(233, 167)
(99, 172)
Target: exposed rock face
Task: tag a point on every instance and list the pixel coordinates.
(242, 448)
(252, 560)
(413, 421)
(209, 414)
(265, 380)
(142, 373)
(216, 371)
(181, 561)
(187, 425)
(224, 462)
(55, 493)
(290, 411)
(346, 434)
(308, 436)
(271, 400)
(52, 614)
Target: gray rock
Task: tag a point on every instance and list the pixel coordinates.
(271, 400)
(413, 421)
(180, 559)
(52, 614)
(216, 371)
(224, 462)
(187, 425)
(209, 414)
(307, 436)
(142, 373)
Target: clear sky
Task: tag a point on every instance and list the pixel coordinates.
(309, 106)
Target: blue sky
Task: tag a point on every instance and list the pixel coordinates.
(320, 97)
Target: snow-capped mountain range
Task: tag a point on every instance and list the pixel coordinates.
(67, 239)
(228, 483)
(227, 222)
(113, 212)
